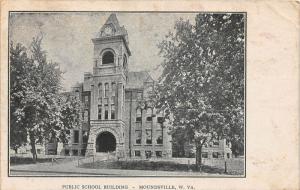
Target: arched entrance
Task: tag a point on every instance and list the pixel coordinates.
(106, 142)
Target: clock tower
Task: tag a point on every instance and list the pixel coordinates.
(110, 73)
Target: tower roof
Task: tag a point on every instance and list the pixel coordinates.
(113, 23)
(112, 19)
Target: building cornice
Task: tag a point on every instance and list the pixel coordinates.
(118, 37)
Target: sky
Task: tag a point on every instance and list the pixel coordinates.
(67, 38)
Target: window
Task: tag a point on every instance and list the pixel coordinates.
(83, 152)
(113, 112)
(127, 95)
(160, 119)
(148, 136)
(123, 93)
(105, 101)
(139, 95)
(106, 90)
(75, 152)
(216, 143)
(77, 93)
(204, 155)
(113, 99)
(86, 116)
(148, 154)
(100, 90)
(138, 125)
(159, 126)
(52, 139)
(137, 153)
(84, 137)
(106, 112)
(215, 155)
(138, 115)
(158, 154)
(99, 112)
(67, 152)
(138, 136)
(86, 101)
(76, 136)
(108, 58)
(159, 139)
(228, 155)
(149, 114)
(38, 151)
(113, 89)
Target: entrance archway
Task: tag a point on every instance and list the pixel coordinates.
(105, 142)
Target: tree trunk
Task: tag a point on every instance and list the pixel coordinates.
(33, 149)
(198, 157)
(197, 166)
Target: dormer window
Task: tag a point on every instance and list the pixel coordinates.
(108, 58)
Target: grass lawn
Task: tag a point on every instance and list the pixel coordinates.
(15, 160)
(151, 165)
(19, 160)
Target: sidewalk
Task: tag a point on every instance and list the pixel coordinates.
(70, 168)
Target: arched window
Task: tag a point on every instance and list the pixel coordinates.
(149, 114)
(100, 90)
(108, 58)
(113, 89)
(113, 93)
(113, 112)
(106, 90)
(86, 116)
(138, 115)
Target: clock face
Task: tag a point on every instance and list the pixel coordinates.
(108, 30)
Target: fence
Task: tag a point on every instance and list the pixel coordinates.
(233, 165)
(96, 158)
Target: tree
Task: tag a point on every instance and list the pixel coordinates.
(20, 65)
(201, 88)
(40, 110)
(69, 115)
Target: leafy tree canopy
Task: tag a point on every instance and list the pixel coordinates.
(38, 109)
(201, 88)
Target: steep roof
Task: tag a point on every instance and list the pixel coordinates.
(117, 32)
(137, 79)
(114, 22)
(112, 19)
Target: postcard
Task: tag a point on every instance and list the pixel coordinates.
(149, 95)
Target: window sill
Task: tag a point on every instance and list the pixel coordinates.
(137, 145)
(107, 65)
